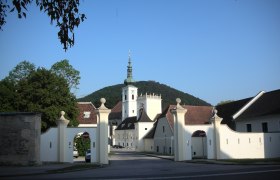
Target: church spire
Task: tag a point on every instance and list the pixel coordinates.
(129, 79)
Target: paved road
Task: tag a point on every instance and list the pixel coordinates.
(128, 165)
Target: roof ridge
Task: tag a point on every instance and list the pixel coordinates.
(247, 105)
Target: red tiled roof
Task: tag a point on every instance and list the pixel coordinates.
(116, 112)
(195, 115)
(87, 107)
(198, 114)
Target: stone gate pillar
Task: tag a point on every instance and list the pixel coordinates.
(102, 133)
(179, 131)
(62, 143)
(217, 124)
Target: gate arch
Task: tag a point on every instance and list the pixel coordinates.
(199, 144)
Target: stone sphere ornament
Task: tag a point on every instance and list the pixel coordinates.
(178, 100)
(103, 100)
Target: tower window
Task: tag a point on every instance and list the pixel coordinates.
(163, 129)
(124, 97)
(132, 96)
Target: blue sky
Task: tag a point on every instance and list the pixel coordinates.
(214, 50)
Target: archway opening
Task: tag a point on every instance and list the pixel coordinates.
(199, 144)
(81, 147)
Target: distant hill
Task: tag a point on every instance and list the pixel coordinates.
(112, 94)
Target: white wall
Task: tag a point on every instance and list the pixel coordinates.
(87, 125)
(49, 146)
(152, 105)
(149, 145)
(273, 123)
(141, 129)
(163, 140)
(238, 145)
(126, 138)
(71, 133)
(49, 153)
(210, 141)
(199, 147)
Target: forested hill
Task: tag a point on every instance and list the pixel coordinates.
(112, 94)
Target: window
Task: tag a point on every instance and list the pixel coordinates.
(86, 114)
(145, 128)
(124, 97)
(170, 150)
(157, 148)
(249, 127)
(132, 96)
(264, 127)
(132, 111)
(163, 129)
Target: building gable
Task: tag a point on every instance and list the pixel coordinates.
(266, 104)
(87, 113)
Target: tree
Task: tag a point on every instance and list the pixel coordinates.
(8, 96)
(65, 70)
(45, 92)
(224, 102)
(63, 12)
(21, 71)
(82, 145)
(27, 89)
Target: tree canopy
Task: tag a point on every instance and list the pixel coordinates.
(64, 13)
(21, 71)
(66, 71)
(40, 90)
(224, 102)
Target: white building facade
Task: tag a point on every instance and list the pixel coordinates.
(213, 138)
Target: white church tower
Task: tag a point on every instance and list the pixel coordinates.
(129, 94)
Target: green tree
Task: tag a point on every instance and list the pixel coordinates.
(82, 145)
(47, 93)
(64, 13)
(8, 96)
(65, 70)
(21, 71)
(224, 102)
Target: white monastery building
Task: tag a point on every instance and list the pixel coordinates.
(137, 115)
(248, 128)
